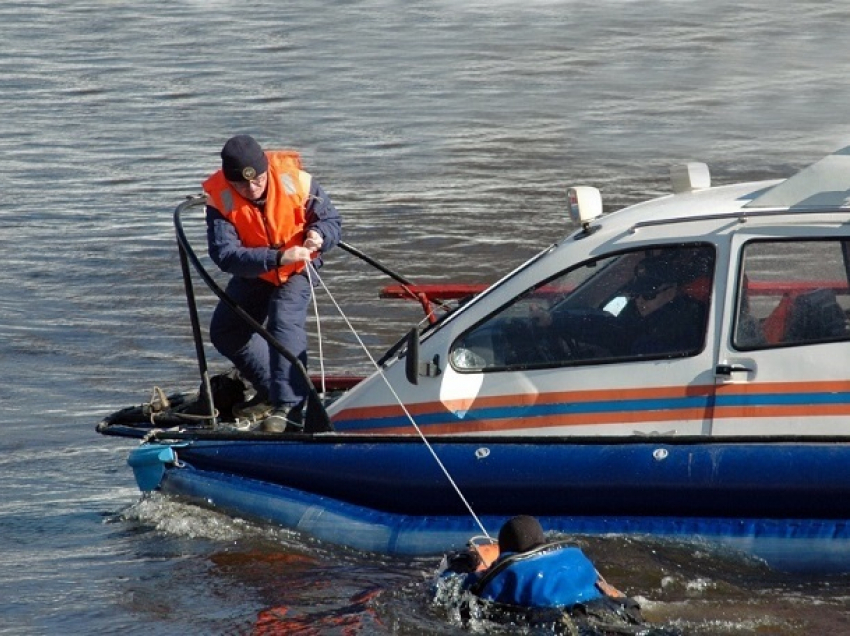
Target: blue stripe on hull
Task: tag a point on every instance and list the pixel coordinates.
(633, 405)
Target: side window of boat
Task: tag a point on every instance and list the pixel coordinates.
(635, 305)
(792, 293)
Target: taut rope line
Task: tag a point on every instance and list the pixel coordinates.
(392, 390)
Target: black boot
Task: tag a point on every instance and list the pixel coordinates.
(284, 419)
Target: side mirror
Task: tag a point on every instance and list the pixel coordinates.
(411, 362)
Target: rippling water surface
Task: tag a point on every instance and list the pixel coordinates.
(446, 132)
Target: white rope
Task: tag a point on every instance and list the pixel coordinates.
(398, 399)
(318, 327)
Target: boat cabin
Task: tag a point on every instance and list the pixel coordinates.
(712, 311)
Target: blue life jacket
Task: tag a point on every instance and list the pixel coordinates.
(553, 575)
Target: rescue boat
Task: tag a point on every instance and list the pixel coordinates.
(678, 368)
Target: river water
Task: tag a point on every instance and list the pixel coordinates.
(446, 132)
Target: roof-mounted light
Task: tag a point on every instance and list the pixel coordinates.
(585, 205)
(690, 176)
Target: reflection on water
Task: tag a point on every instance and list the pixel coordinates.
(447, 132)
(268, 579)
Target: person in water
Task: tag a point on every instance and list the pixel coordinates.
(531, 581)
(266, 219)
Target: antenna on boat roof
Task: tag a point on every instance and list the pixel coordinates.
(312, 270)
(584, 205)
(690, 176)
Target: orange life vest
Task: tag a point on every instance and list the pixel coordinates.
(281, 225)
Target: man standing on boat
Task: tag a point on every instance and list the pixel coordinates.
(266, 219)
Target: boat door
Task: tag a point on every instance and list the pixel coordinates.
(784, 351)
(620, 344)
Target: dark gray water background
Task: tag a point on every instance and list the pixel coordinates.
(447, 133)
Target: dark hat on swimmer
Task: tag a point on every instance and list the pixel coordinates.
(520, 534)
(242, 159)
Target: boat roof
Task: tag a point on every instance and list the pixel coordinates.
(824, 185)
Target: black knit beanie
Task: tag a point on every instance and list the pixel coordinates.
(520, 534)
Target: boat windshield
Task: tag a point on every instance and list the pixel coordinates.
(478, 298)
(651, 302)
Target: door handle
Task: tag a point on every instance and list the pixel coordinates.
(729, 369)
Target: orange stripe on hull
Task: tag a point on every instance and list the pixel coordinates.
(550, 421)
(527, 399)
(612, 396)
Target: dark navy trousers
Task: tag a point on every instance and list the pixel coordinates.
(284, 311)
